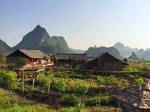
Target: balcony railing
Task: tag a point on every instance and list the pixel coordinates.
(38, 65)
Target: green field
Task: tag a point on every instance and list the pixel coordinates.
(10, 102)
(67, 91)
(57, 92)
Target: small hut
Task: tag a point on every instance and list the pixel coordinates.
(71, 59)
(34, 58)
(106, 62)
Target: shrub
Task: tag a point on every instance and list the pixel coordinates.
(138, 81)
(69, 100)
(98, 101)
(101, 80)
(104, 100)
(79, 107)
(124, 83)
(11, 66)
(21, 61)
(2, 75)
(12, 79)
(61, 86)
(83, 88)
(18, 108)
(29, 88)
(2, 58)
(71, 109)
(132, 69)
(46, 81)
(60, 74)
(9, 77)
(93, 101)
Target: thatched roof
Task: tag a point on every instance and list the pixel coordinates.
(105, 55)
(35, 54)
(68, 56)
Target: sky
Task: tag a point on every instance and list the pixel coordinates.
(83, 23)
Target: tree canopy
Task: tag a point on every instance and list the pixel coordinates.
(2, 57)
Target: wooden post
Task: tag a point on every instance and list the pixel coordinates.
(33, 82)
(115, 108)
(71, 63)
(48, 87)
(22, 80)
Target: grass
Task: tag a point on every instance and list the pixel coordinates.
(10, 102)
(94, 99)
(75, 89)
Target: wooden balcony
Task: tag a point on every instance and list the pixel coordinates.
(38, 65)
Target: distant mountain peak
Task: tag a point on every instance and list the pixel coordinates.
(119, 44)
(4, 47)
(124, 50)
(38, 33)
(39, 38)
(135, 52)
(39, 28)
(96, 51)
(133, 56)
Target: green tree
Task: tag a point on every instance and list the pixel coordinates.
(100, 81)
(9, 77)
(21, 61)
(105, 80)
(138, 82)
(124, 83)
(69, 100)
(2, 58)
(83, 89)
(61, 85)
(79, 107)
(12, 79)
(112, 81)
(46, 81)
(10, 66)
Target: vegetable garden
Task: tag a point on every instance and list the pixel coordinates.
(63, 91)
